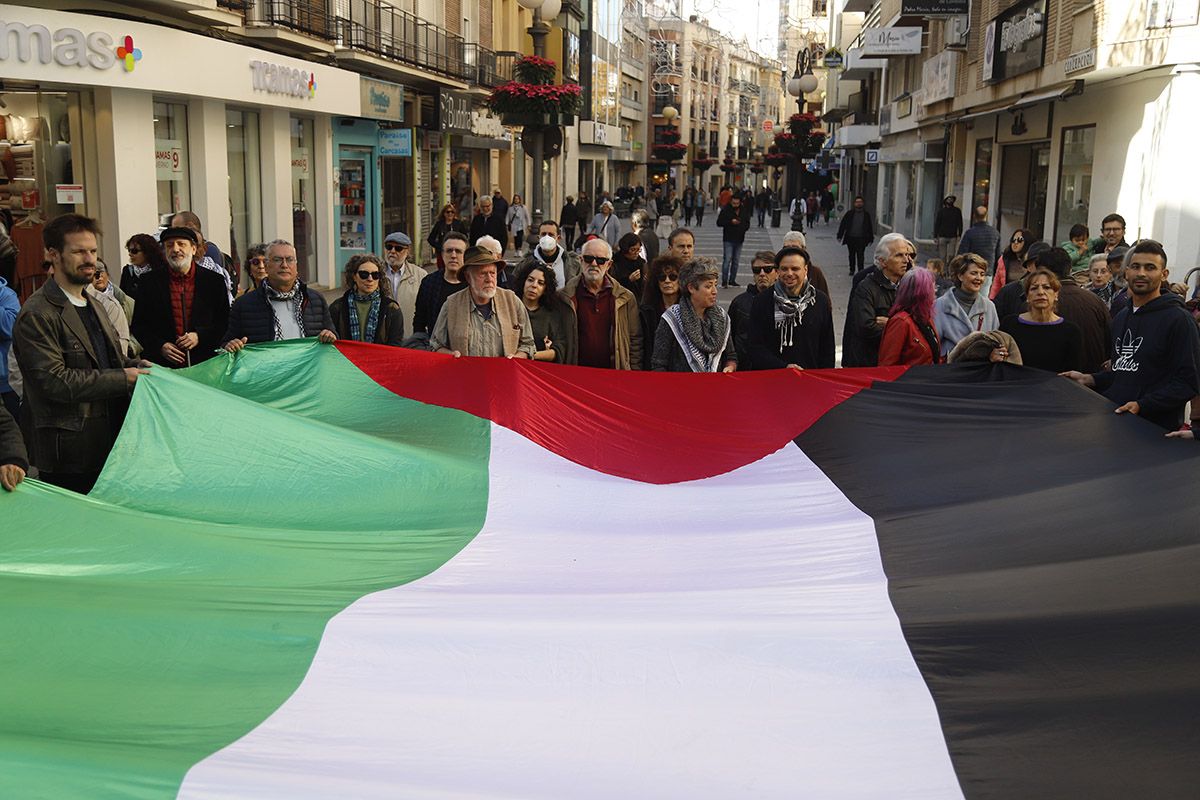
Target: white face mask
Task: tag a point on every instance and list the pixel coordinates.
(548, 244)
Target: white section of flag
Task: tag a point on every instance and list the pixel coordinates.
(604, 638)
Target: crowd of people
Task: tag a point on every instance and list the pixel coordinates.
(1104, 314)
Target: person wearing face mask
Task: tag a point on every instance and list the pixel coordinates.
(964, 309)
(549, 252)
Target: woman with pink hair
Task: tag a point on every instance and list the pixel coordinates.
(910, 336)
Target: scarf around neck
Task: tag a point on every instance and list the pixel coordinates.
(294, 297)
(703, 341)
(789, 311)
(375, 298)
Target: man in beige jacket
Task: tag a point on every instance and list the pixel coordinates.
(485, 320)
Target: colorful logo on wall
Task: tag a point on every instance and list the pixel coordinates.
(280, 79)
(312, 84)
(129, 54)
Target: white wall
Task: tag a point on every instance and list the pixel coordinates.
(126, 201)
(208, 165)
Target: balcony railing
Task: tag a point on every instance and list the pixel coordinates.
(488, 68)
(367, 26)
(235, 5)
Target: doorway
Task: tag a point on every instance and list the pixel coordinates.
(356, 227)
(1025, 176)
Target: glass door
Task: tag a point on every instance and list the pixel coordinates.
(356, 229)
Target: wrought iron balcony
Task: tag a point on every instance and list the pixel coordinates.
(235, 5)
(302, 16)
(390, 33)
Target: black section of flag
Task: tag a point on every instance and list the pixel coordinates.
(1043, 556)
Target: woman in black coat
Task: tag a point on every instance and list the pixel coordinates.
(366, 312)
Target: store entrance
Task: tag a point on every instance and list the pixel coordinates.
(41, 174)
(1024, 178)
(356, 226)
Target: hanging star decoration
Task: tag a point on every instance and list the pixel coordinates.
(129, 54)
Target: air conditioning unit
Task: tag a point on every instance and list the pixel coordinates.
(957, 29)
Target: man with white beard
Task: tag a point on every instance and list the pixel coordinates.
(182, 311)
(485, 320)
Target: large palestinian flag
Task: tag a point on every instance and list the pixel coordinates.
(348, 571)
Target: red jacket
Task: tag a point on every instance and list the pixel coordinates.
(903, 343)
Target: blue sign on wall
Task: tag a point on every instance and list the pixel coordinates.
(395, 142)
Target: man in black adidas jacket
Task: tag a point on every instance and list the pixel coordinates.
(1155, 368)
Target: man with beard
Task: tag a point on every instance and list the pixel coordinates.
(1155, 365)
(485, 320)
(181, 312)
(603, 325)
(77, 382)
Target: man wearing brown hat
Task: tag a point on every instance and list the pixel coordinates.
(182, 311)
(485, 320)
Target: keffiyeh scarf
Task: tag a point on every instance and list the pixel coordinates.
(703, 341)
(372, 315)
(789, 311)
(294, 297)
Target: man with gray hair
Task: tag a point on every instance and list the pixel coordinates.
(283, 309)
(871, 301)
(603, 327)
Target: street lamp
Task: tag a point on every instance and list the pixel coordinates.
(802, 82)
(543, 12)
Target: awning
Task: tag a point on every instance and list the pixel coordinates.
(1028, 100)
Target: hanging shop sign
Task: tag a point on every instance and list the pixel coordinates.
(396, 142)
(938, 76)
(454, 112)
(382, 100)
(1015, 41)
(883, 42)
(834, 58)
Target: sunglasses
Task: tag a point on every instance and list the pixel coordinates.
(1017, 240)
(595, 259)
(133, 251)
(368, 276)
(760, 270)
(395, 246)
(668, 276)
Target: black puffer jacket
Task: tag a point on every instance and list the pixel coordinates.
(872, 298)
(251, 316)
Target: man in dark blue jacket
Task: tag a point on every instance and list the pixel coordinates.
(1155, 366)
(981, 239)
(284, 308)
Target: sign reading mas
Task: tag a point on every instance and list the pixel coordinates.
(67, 47)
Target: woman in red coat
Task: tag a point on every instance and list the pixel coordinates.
(909, 336)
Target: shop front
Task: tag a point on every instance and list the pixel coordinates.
(475, 141)
(112, 119)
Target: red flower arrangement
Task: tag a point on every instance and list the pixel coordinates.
(670, 151)
(534, 91)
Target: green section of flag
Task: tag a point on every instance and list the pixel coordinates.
(247, 502)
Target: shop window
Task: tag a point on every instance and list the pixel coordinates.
(304, 199)
(245, 181)
(889, 199)
(1074, 180)
(982, 181)
(171, 158)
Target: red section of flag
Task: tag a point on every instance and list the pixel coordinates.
(655, 427)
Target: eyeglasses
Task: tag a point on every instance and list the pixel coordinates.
(1017, 240)
(133, 251)
(283, 260)
(760, 270)
(668, 276)
(394, 246)
(1112, 230)
(368, 276)
(596, 259)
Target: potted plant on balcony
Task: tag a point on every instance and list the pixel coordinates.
(533, 98)
(702, 162)
(670, 149)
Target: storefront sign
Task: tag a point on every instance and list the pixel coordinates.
(882, 42)
(1080, 61)
(301, 164)
(382, 100)
(934, 8)
(68, 194)
(67, 47)
(833, 58)
(168, 159)
(395, 142)
(872, 157)
(1018, 41)
(455, 112)
(938, 76)
(278, 79)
